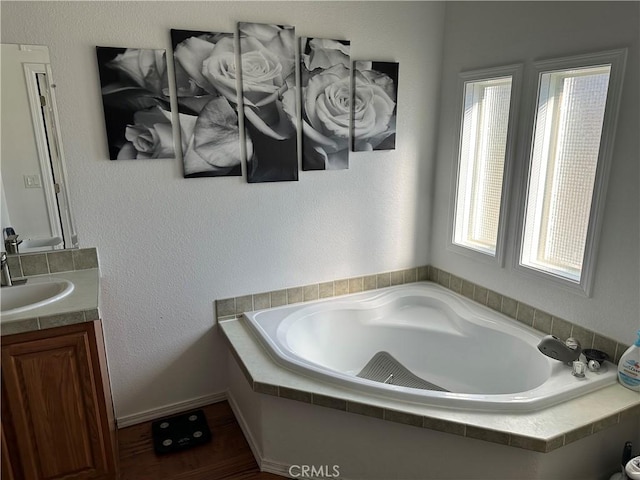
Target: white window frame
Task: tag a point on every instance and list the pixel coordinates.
(617, 60)
(515, 72)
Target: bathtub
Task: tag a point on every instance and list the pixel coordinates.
(421, 343)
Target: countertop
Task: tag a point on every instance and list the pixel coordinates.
(81, 305)
(543, 431)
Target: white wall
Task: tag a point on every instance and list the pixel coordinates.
(487, 34)
(168, 246)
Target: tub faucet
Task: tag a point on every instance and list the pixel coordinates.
(555, 348)
(6, 275)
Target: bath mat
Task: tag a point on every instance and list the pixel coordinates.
(179, 432)
(386, 369)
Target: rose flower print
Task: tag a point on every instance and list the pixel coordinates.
(136, 103)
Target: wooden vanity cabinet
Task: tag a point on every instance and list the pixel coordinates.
(57, 416)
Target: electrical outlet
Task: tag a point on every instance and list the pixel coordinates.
(32, 181)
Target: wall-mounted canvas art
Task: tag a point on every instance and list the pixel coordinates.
(325, 72)
(204, 65)
(135, 97)
(374, 106)
(269, 97)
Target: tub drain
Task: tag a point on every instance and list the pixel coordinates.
(386, 369)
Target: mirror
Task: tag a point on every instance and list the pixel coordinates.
(33, 180)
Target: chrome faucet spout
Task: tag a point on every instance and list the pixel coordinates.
(6, 275)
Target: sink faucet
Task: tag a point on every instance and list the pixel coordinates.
(555, 348)
(6, 275)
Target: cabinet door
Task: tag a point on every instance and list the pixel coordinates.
(55, 405)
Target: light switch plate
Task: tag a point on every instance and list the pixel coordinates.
(32, 181)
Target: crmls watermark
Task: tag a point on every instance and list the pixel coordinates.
(314, 471)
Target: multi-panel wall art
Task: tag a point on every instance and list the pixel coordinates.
(374, 106)
(325, 67)
(267, 56)
(135, 97)
(239, 99)
(207, 103)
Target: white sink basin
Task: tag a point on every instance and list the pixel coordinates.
(22, 298)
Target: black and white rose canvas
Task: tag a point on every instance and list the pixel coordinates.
(268, 64)
(325, 71)
(135, 97)
(207, 103)
(375, 106)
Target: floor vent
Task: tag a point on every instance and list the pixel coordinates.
(384, 368)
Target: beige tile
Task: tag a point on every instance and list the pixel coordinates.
(455, 284)
(369, 282)
(293, 394)
(605, 345)
(383, 279)
(605, 423)
(443, 425)
(356, 285)
(409, 275)
(325, 290)
(329, 402)
(396, 277)
(584, 336)
(310, 292)
(60, 261)
(295, 295)
(555, 443)
(525, 314)
(433, 273)
(403, 417)
(341, 287)
(423, 274)
(494, 300)
(90, 315)
(15, 269)
(363, 409)
(85, 258)
(19, 326)
(467, 289)
(278, 298)
(620, 349)
(577, 434)
(265, 388)
(444, 278)
(34, 264)
(487, 435)
(262, 301)
(225, 307)
(560, 328)
(542, 321)
(244, 304)
(52, 321)
(528, 443)
(480, 295)
(509, 307)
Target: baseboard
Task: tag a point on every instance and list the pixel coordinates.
(148, 415)
(265, 465)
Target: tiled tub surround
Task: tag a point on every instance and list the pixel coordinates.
(79, 267)
(273, 404)
(608, 411)
(230, 308)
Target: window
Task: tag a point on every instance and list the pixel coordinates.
(572, 135)
(484, 144)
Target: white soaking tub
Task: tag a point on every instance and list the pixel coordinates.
(421, 343)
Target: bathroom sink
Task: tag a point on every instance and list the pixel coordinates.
(22, 298)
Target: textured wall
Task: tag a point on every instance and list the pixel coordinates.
(168, 246)
(484, 34)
